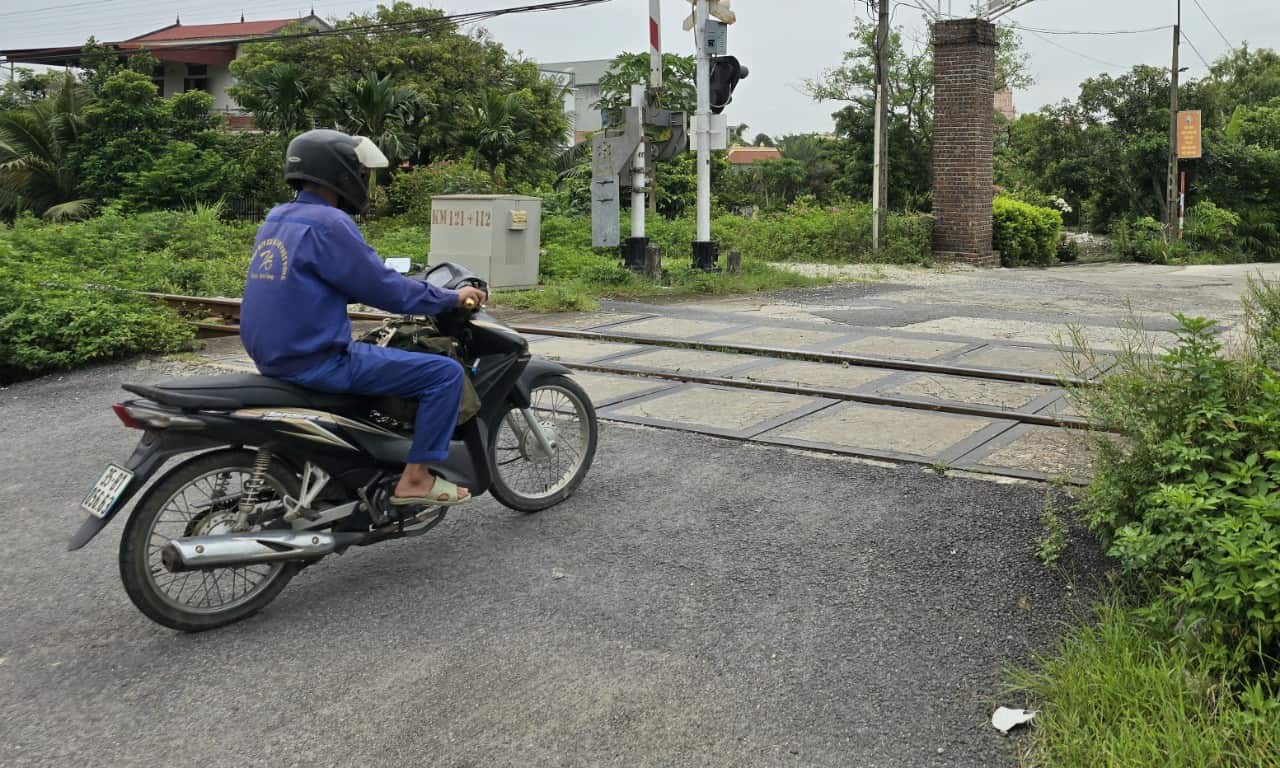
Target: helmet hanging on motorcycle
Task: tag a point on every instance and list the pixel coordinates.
(336, 161)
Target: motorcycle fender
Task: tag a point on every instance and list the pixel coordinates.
(536, 369)
(151, 452)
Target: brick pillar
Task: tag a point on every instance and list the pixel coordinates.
(964, 77)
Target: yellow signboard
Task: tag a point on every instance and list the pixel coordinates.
(1189, 136)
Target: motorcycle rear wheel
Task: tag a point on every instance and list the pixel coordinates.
(196, 601)
(525, 477)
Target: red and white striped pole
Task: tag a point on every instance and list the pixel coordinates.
(655, 44)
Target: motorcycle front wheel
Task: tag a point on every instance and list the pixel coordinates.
(201, 498)
(528, 475)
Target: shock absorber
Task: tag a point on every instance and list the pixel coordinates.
(252, 487)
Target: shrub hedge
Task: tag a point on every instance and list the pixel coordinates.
(1025, 234)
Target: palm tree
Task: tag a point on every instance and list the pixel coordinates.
(496, 136)
(280, 96)
(379, 109)
(35, 144)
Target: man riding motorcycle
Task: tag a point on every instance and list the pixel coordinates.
(309, 262)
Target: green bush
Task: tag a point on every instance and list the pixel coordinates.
(1212, 229)
(1140, 240)
(804, 233)
(1190, 504)
(1025, 234)
(51, 320)
(410, 192)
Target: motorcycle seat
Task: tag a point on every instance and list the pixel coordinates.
(243, 390)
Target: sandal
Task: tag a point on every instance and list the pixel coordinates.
(442, 494)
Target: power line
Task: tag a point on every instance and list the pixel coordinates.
(50, 8)
(1214, 25)
(454, 20)
(1187, 40)
(1075, 52)
(1097, 33)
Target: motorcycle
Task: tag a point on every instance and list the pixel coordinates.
(276, 477)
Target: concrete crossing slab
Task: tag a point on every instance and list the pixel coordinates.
(888, 432)
(900, 347)
(716, 410)
(672, 327)
(607, 389)
(845, 378)
(1016, 358)
(777, 336)
(1033, 332)
(1008, 395)
(579, 350)
(686, 361)
(1042, 452)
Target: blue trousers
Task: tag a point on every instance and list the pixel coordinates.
(367, 369)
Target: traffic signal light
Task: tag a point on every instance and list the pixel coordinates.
(725, 74)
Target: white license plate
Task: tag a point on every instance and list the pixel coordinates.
(106, 492)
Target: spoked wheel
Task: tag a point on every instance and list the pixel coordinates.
(202, 498)
(529, 476)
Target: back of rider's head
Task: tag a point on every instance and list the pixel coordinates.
(336, 162)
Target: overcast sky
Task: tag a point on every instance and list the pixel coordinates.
(781, 44)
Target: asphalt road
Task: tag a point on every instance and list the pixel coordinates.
(698, 603)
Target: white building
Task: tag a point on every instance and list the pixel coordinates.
(582, 105)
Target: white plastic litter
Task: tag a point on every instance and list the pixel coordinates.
(1005, 719)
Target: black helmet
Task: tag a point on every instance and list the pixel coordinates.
(336, 161)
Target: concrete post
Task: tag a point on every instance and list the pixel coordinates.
(964, 73)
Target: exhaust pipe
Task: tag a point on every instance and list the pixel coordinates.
(195, 553)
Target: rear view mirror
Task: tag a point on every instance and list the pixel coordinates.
(401, 265)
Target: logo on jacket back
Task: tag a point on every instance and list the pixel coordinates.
(270, 261)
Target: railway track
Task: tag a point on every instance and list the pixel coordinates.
(220, 317)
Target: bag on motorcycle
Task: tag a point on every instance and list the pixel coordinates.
(419, 336)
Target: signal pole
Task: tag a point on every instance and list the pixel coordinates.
(704, 256)
(1171, 190)
(880, 190)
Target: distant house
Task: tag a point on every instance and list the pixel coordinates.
(582, 104)
(1004, 104)
(742, 157)
(192, 57)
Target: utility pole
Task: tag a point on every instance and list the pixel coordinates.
(880, 190)
(1171, 190)
(704, 256)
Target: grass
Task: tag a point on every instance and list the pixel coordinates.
(1119, 693)
(582, 292)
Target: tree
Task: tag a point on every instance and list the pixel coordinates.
(496, 134)
(627, 69)
(450, 71)
(99, 63)
(128, 128)
(763, 140)
(281, 96)
(36, 172)
(27, 87)
(377, 108)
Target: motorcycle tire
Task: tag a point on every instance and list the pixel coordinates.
(138, 568)
(502, 487)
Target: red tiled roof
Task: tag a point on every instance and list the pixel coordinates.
(213, 31)
(749, 155)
